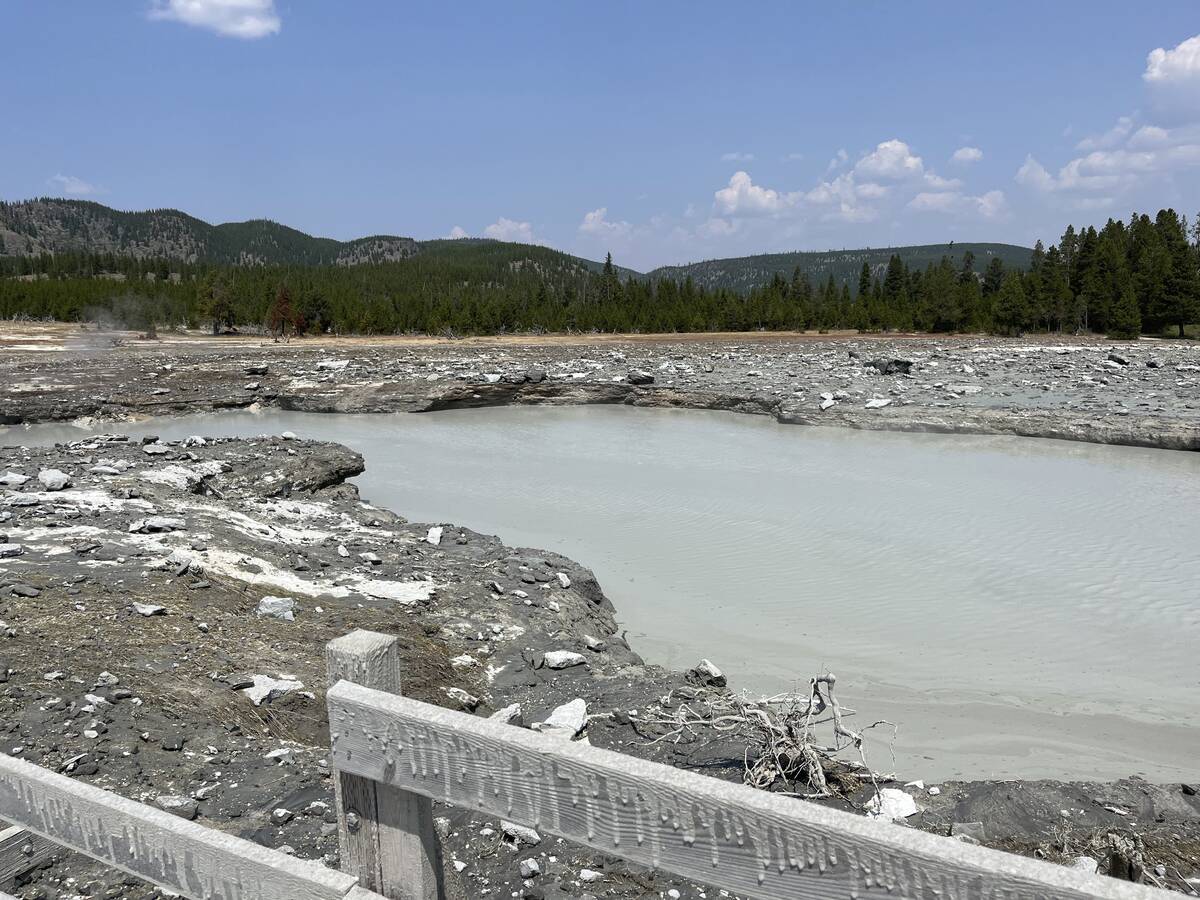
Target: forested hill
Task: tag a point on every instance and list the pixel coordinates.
(35, 227)
(744, 272)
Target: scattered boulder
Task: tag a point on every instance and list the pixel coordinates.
(891, 803)
(566, 721)
(156, 524)
(177, 805)
(564, 659)
(54, 479)
(282, 608)
(640, 378)
(893, 366)
(705, 673)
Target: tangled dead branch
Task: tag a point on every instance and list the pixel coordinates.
(783, 749)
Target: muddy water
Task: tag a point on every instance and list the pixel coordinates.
(1020, 608)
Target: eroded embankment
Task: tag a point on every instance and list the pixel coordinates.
(1144, 394)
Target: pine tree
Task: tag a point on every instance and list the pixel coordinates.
(1010, 305)
(1124, 320)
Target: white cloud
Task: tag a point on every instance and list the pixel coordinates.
(511, 230)
(72, 186)
(938, 183)
(1111, 138)
(737, 157)
(964, 156)
(245, 19)
(597, 224)
(839, 159)
(1173, 66)
(457, 232)
(991, 205)
(1149, 136)
(842, 198)
(742, 197)
(891, 160)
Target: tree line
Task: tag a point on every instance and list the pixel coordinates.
(1123, 279)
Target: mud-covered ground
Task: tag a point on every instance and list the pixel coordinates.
(137, 652)
(1145, 393)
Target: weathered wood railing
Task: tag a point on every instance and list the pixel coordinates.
(726, 835)
(392, 756)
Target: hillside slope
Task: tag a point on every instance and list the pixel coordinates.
(744, 272)
(48, 225)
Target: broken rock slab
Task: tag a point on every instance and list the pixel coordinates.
(563, 659)
(54, 479)
(282, 608)
(891, 803)
(566, 721)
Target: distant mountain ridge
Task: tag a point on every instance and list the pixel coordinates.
(47, 225)
(744, 272)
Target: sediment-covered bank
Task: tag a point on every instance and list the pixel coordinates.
(1142, 394)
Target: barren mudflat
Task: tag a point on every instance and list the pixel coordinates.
(1015, 605)
(992, 596)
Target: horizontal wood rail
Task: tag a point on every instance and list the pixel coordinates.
(726, 835)
(184, 857)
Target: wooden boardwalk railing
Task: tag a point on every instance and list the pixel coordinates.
(726, 835)
(393, 756)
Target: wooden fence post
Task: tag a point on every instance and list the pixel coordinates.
(386, 835)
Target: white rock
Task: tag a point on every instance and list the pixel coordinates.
(288, 435)
(266, 688)
(8, 551)
(434, 535)
(588, 876)
(529, 868)
(156, 523)
(891, 803)
(520, 834)
(510, 715)
(149, 609)
(283, 608)
(825, 404)
(156, 449)
(13, 479)
(465, 661)
(878, 404)
(1085, 864)
(565, 721)
(54, 479)
(564, 659)
(333, 365)
(564, 580)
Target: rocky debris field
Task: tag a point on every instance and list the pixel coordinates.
(164, 605)
(1145, 393)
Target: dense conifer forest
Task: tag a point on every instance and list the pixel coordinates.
(1140, 276)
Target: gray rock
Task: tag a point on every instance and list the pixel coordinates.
(564, 659)
(640, 378)
(8, 551)
(970, 829)
(282, 608)
(519, 834)
(566, 721)
(149, 609)
(184, 807)
(155, 524)
(13, 479)
(707, 674)
(54, 479)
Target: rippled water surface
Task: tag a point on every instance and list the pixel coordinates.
(1020, 608)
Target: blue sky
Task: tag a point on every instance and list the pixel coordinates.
(664, 132)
